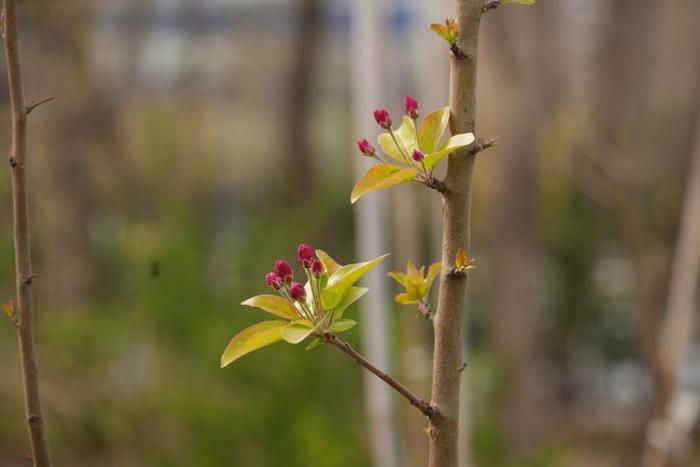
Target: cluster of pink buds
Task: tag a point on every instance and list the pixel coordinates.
(282, 280)
(384, 120)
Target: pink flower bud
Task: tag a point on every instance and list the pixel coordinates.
(284, 271)
(273, 280)
(316, 268)
(365, 147)
(410, 106)
(417, 155)
(297, 292)
(305, 254)
(383, 118)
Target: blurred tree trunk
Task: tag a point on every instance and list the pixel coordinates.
(299, 102)
(371, 235)
(77, 115)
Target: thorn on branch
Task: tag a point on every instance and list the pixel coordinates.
(29, 280)
(482, 144)
(490, 5)
(36, 104)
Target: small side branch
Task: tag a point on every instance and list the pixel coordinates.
(437, 185)
(425, 310)
(36, 104)
(422, 405)
(482, 144)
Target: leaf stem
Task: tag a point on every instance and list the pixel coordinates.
(398, 146)
(422, 405)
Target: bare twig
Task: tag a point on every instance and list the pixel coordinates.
(482, 144)
(450, 317)
(422, 405)
(23, 261)
(36, 104)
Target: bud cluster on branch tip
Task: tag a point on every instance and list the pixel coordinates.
(410, 106)
(297, 292)
(418, 155)
(365, 147)
(383, 118)
(284, 271)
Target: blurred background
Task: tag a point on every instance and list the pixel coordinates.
(193, 142)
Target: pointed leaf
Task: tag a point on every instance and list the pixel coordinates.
(433, 271)
(252, 338)
(399, 277)
(273, 304)
(315, 342)
(433, 128)
(352, 295)
(342, 279)
(382, 176)
(386, 142)
(297, 331)
(342, 325)
(461, 258)
(406, 299)
(454, 143)
(329, 263)
(406, 134)
(440, 30)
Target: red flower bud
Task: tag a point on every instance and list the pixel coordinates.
(316, 268)
(410, 106)
(273, 280)
(305, 254)
(365, 147)
(297, 292)
(417, 155)
(383, 118)
(284, 271)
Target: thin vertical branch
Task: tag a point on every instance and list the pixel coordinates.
(450, 318)
(23, 261)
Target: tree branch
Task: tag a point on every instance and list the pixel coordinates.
(422, 405)
(449, 321)
(23, 261)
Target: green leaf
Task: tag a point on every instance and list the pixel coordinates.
(440, 30)
(315, 342)
(352, 295)
(342, 325)
(329, 263)
(342, 279)
(382, 176)
(432, 129)
(427, 283)
(406, 137)
(399, 277)
(406, 299)
(252, 338)
(454, 143)
(297, 331)
(275, 305)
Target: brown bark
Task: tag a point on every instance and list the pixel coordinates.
(450, 318)
(23, 260)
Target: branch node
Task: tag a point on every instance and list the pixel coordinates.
(14, 162)
(457, 52)
(425, 310)
(482, 144)
(437, 184)
(457, 273)
(29, 280)
(490, 5)
(34, 105)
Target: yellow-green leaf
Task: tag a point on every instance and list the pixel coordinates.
(440, 30)
(399, 277)
(454, 143)
(386, 142)
(382, 176)
(342, 325)
(352, 295)
(329, 263)
(10, 310)
(433, 271)
(432, 129)
(405, 136)
(275, 305)
(342, 279)
(315, 342)
(406, 299)
(297, 331)
(252, 338)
